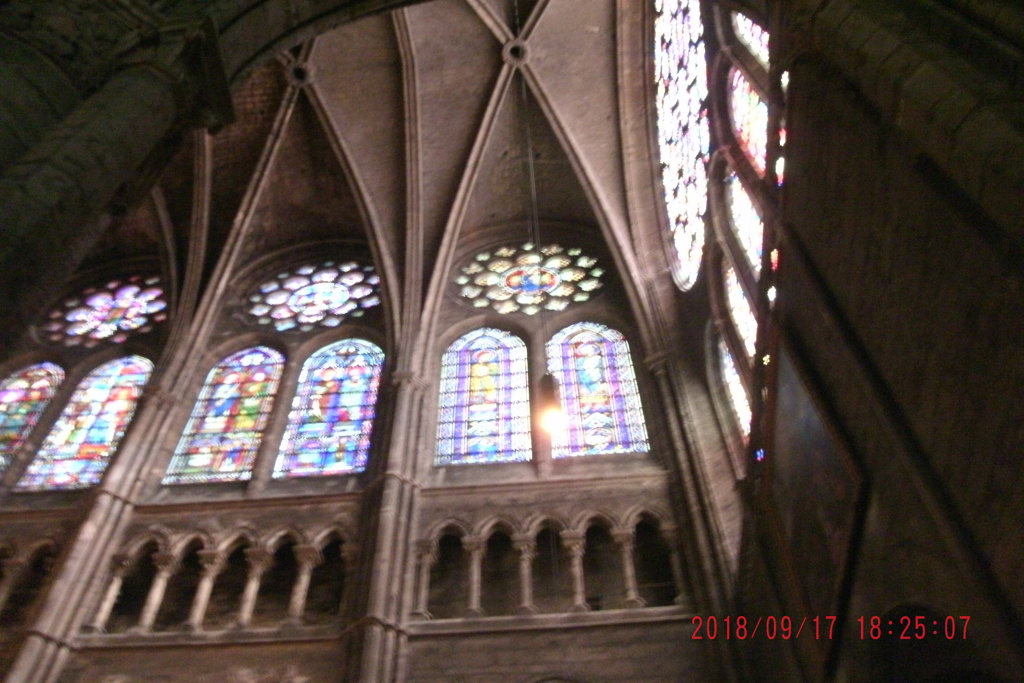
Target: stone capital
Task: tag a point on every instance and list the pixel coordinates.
(212, 561)
(259, 560)
(166, 563)
(120, 563)
(525, 544)
(308, 555)
(474, 545)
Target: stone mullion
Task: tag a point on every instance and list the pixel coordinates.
(308, 557)
(475, 546)
(166, 565)
(212, 562)
(259, 560)
(668, 534)
(526, 545)
(574, 543)
(426, 557)
(120, 564)
(624, 539)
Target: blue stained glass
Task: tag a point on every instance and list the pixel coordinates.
(331, 419)
(684, 136)
(485, 400)
(734, 388)
(224, 432)
(76, 451)
(598, 391)
(23, 397)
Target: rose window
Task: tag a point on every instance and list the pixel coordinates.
(109, 312)
(311, 296)
(529, 278)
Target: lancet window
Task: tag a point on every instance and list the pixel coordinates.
(23, 397)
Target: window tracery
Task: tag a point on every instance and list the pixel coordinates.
(599, 392)
(484, 400)
(77, 450)
(331, 418)
(684, 137)
(749, 114)
(310, 296)
(226, 427)
(753, 37)
(23, 397)
(528, 279)
(107, 313)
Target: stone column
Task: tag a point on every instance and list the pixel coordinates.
(166, 565)
(259, 560)
(668, 534)
(574, 543)
(213, 563)
(119, 566)
(624, 538)
(527, 547)
(426, 556)
(14, 569)
(308, 557)
(475, 546)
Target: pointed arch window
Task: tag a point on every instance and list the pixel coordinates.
(734, 388)
(745, 221)
(740, 310)
(598, 391)
(23, 397)
(749, 114)
(78, 448)
(684, 137)
(484, 400)
(332, 414)
(226, 427)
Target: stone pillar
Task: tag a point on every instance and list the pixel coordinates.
(426, 556)
(14, 569)
(574, 543)
(213, 563)
(668, 534)
(119, 566)
(624, 539)
(166, 565)
(259, 560)
(308, 557)
(527, 547)
(475, 546)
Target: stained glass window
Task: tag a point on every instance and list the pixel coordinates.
(734, 388)
(485, 400)
(227, 422)
(741, 311)
(684, 137)
(109, 312)
(529, 278)
(76, 451)
(331, 419)
(752, 36)
(315, 295)
(749, 119)
(746, 221)
(598, 391)
(23, 397)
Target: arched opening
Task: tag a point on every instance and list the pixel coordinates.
(499, 576)
(226, 597)
(181, 589)
(552, 583)
(653, 563)
(449, 578)
(602, 570)
(276, 587)
(33, 577)
(134, 589)
(327, 584)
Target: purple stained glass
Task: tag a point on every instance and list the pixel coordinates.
(331, 419)
(753, 37)
(598, 391)
(734, 388)
(684, 137)
(749, 119)
(311, 296)
(484, 400)
(23, 397)
(226, 427)
(78, 448)
(109, 312)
